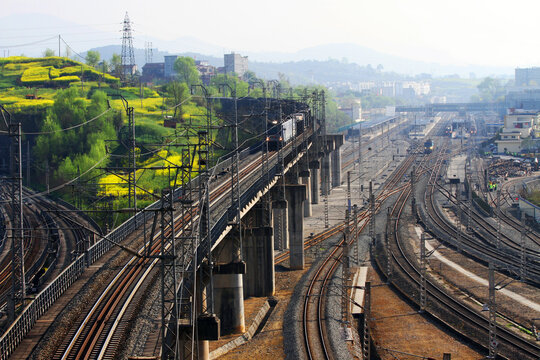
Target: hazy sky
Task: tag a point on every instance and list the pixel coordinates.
(494, 32)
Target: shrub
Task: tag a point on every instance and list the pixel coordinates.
(35, 75)
(65, 80)
(147, 93)
(70, 70)
(53, 73)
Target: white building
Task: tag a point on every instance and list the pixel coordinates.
(518, 125)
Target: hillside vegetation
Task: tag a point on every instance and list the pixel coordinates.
(74, 121)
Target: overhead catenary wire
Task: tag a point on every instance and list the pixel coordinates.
(58, 187)
(61, 186)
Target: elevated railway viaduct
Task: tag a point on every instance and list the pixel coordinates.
(275, 192)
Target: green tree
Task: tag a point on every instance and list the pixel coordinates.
(232, 81)
(92, 58)
(48, 52)
(250, 77)
(116, 64)
(176, 94)
(490, 89)
(79, 147)
(186, 70)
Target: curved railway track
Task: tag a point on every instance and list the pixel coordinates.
(509, 341)
(36, 229)
(313, 319)
(102, 318)
(105, 311)
(468, 243)
(491, 229)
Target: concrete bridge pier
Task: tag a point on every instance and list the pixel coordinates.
(258, 251)
(325, 174)
(280, 224)
(203, 346)
(305, 180)
(326, 163)
(229, 302)
(336, 167)
(314, 167)
(296, 195)
(336, 160)
(228, 287)
(291, 177)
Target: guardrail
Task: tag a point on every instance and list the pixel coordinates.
(81, 213)
(25, 321)
(3, 232)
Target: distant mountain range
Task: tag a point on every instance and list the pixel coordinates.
(19, 28)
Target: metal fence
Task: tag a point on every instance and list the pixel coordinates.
(44, 300)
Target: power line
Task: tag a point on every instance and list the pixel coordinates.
(61, 186)
(70, 48)
(65, 129)
(63, 34)
(56, 27)
(27, 44)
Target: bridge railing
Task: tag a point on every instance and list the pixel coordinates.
(44, 299)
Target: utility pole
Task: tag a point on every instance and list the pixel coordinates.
(132, 167)
(234, 217)
(18, 291)
(345, 274)
(423, 295)
(458, 222)
(349, 209)
(187, 251)
(492, 314)
(170, 311)
(356, 235)
(498, 240)
(266, 200)
(413, 191)
(204, 152)
(469, 198)
(388, 233)
(360, 160)
(367, 315)
(326, 171)
(372, 213)
(522, 248)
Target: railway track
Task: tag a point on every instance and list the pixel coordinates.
(469, 319)
(101, 324)
(491, 231)
(36, 247)
(313, 319)
(464, 241)
(509, 200)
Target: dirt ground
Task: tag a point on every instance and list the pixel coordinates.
(397, 326)
(268, 344)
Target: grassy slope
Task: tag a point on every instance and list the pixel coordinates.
(20, 77)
